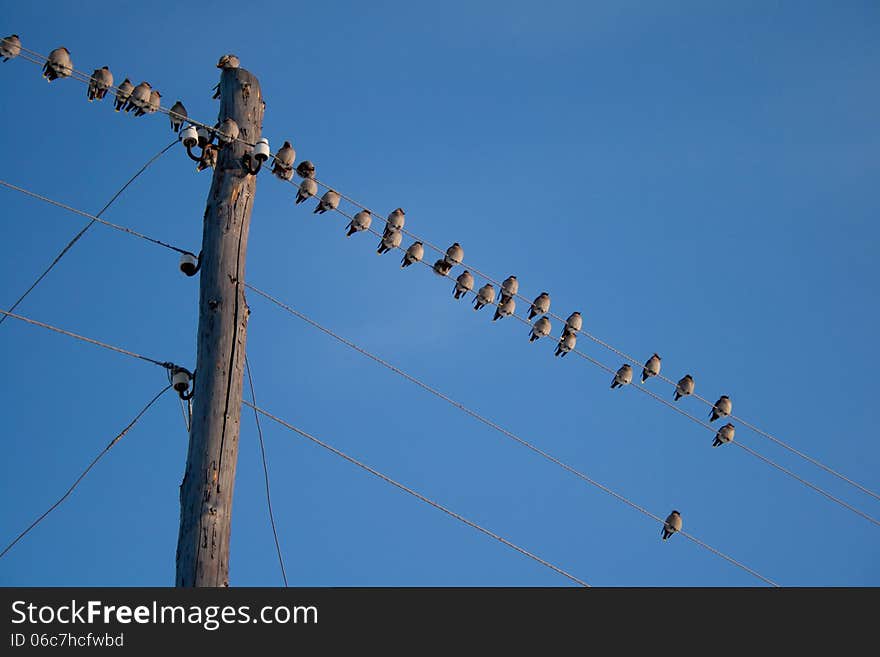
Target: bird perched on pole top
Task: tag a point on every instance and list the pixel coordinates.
(123, 93)
(99, 84)
(330, 201)
(10, 47)
(360, 222)
(722, 408)
(540, 306)
(305, 169)
(509, 288)
(395, 221)
(672, 524)
(307, 189)
(623, 377)
(228, 62)
(283, 166)
(567, 343)
(485, 296)
(725, 435)
(414, 253)
(651, 368)
(463, 284)
(178, 115)
(388, 242)
(441, 267)
(454, 254)
(58, 64)
(684, 387)
(540, 329)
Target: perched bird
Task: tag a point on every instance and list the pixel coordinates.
(725, 435)
(540, 329)
(442, 268)
(307, 189)
(574, 323)
(227, 131)
(389, 242)
(209, 157)
(123, 93)
(330, 201)
(10, 47)
(305, 169)
(228, 62)
(178, 115)
(139, 99)
(505, 309)
(99, 83)
(283, 166)
(684, 387)
(414, 253)
(672, 524)
(509, 288)
(485, 296)
(361, 221)
(623, 377)
(454, 254)
(566, 344)
(722, 408)
(540, 306)
(395, 221)
(463, 284)
(155, 103)
(58, 65)
(651, 368)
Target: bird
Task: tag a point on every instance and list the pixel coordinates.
(10, 47)
(395, 221)
(414, 253)
(209, 157)
(651, 368)
(441, 267)
(178, 115)
(540, 306)
(509, 288)
(123, 93)
(330, 201)
(672, 524)
(485, 295)
(283, 166)
(305, 169)
(155, 103)
(623, 377)
(99, 84)
(229, 61)
(307, 189)
(540, 329)
(722, 408)
(573, 324)
(227, 131)
(725, 435)
(58, 65)
(505, 309)
(566, 344)
(463, 284)
(360, 221)
(684, 387)
(389, 242)
(139, 99)
(454, 254)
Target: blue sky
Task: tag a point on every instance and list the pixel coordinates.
(699, 179)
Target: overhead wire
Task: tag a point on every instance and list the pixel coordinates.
(417, 495)
(82, 475)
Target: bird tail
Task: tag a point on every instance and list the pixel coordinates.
(351, 229)
(532, 337)
(716, 442)
(497, 315)
(614, 384)
(713, 416)
(558, 351)
(677, 395)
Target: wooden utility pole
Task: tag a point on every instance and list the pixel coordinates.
(209, 480)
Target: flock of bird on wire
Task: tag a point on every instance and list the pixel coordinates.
(143, 99)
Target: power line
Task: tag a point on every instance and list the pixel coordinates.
(495, 426)
(115, 440)
(247, 367)
(119, 350)
(417, 495)
(85, 228)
